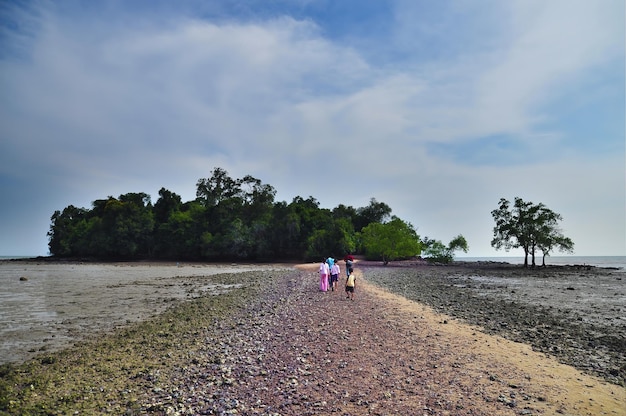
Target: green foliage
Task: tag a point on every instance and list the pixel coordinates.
(436, 251)
(120, 228)
(551, 238)
(167, 204)
(390, 241)
(181, 236)
(230, 219)
(528, 226)
(374, 212)
(337, 237)
(66, 229)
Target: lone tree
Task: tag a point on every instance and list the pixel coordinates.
(528, 226)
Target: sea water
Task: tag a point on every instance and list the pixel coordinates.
(598, 261)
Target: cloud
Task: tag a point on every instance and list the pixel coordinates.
(553, 44)
(439, 112)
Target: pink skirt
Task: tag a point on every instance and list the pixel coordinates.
(323, 282)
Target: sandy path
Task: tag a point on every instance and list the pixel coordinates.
(509, 367)
(304, 352)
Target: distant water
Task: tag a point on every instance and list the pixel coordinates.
(598, 261)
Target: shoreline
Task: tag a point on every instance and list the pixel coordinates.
(192, 279)
(458, 262)
(48, 306)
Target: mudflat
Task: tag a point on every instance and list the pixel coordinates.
(273, 344)
(48, 305)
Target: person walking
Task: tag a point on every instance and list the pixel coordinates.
(330, 261)
(324, 273)
(335, 271)
(350, 286)
(349, 265)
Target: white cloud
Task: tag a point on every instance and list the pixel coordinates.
(552, 45)
(131, 108)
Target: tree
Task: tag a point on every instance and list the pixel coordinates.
(334, 239)
(228, 219)
(284, 232)
(167, 203)
(184, 233)
(374, 212)
(128, 224)
(217, 188)
(390, 241)
(435, 250)
(258, 204)
(63, 230)
(310, 217)
(528, 226)
(551, 239)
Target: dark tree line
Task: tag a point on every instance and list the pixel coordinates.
(239, 219)
(230, 219)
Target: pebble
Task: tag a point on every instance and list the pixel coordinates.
(294, 351)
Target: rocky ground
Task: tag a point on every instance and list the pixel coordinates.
(316, 353)
(575, 313)
(278, 346)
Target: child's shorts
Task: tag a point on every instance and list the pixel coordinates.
(349, 288)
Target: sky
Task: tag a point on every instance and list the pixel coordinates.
(436, 108)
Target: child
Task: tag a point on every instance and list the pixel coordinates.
(350, 285)
(334, 276)
(349, 265)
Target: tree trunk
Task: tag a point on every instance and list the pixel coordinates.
(525, 256)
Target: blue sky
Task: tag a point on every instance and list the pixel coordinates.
(438, 109)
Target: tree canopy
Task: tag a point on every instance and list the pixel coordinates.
(435, 250)
(528, 226)
(389, 241)
(230, 219)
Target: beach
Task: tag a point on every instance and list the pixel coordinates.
(416, 340)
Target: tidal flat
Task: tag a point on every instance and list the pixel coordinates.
(574, 313)
(46, 306)
(269, 342)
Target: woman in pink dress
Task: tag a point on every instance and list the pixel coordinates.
(324, 272)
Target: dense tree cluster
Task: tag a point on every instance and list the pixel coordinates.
(239, 219)
(230, 219)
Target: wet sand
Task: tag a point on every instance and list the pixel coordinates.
(56, 304)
